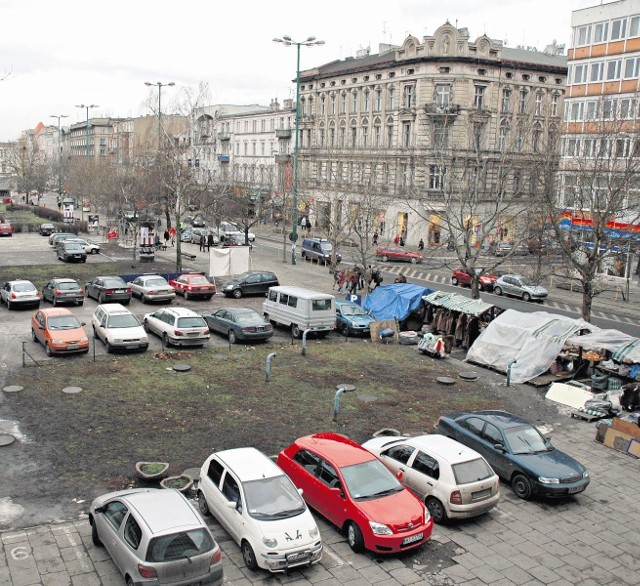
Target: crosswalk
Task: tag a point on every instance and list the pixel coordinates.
(413, 272)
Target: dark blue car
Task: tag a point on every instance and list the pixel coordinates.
(351, 318)
(518, 452)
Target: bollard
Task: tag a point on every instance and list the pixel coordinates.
(304, 341)
(268, 367)
(509, 372)
(344, 388)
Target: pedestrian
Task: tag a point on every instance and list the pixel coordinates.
(172, 233)
(337, 276)
(396, 240)
(421, 245)
(400, 279)
(346, 281)
(368, 277)
(166, 237)
(375, 238)
(355, 280)
(156, 241)
(209, 241)
(203, 242)
(377, 278)
(401, 241)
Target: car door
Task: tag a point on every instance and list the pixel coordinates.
(253, 284)
(136, 286)
(219, 321)
(267, 280)
(497, 457)
(231, 518)
(47, 291)
(211, 487)
(110, 523)
(101, 324)
(153, 321)
(4, 293)
(423, 474)
(306, 477)
(511, 287)
(39, 327)
(396, 458)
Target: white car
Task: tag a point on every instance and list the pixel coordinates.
(152, 288)
(454, 481)
(177, 326)
(19, 293)
(226, 227)
(118, 328)
(89, 246)
(262, 510)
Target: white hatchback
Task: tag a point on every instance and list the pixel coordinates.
(262, 510)
(118, 328)
(454, 481)
(177, 326)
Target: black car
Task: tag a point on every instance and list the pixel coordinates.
(47, 229)
(250, 283)
(71, 252)
(518, 452)
(105, 289)
(60, 290)
(239, 323)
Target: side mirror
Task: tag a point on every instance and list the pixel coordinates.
(337, 492)
(500, 447)
(83, 323)
(301, 491)
(99, 510)
(232, 505)
(41, 327)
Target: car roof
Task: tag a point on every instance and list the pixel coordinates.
(448, 449)
(65, 280)
(346, 302)
(301, 292)
(181, 311)
(53, 311)
(339, 449)
(501, 418)
(249, 464)
(16, 281)
(163, 510)
(114, 308)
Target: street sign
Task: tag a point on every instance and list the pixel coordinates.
(293, 237)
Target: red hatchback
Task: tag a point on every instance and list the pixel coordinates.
(193, 285)
(354, 490)
(462, 277)
(398, 253)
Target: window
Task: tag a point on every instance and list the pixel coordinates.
(435, 177)
(631, 67)
(600, 30)
(115, 512)
(354, 137)
(427, 465)
(343, 103)
(517, 181)
(342, 136)
(333, 105)
(478, 98)
(354, 101)
(377, 133)
(492, 434)
(478, 133)
(506, 100)
(536, 137)
(320, 304)
(583, 35)
(634, 26)
(400, 453)
(323, 105)
(554, 104)
(538, 105)
(473, 424)
(524, 95)
(231, 491)
(443, 95)
(215, 472)
(378, 100)
(310, 462)
(613, 69)
(132, 532)
(365, 100)
(390, 136)
(328, 474)
(440, 135)
(391, 98)
(408, 96)
(618, 29)
(365, 136)
(579, 74)
(406, 134)
(503, 135)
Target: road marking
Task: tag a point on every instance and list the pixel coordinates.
(20, 553)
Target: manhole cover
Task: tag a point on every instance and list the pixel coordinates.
(6, 440)
(367, 398)
(445, 380)
(72, 390)
(12, 389)
(468, 376)
(181, 367)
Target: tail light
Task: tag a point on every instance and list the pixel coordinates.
(109, 291)
(13, 296)
(179, 333)
(57, 292)
(147, 571)
(128, 290)
(217, 555)
(37, 293)
(455, 498)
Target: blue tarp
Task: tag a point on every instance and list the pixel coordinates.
(397, 300)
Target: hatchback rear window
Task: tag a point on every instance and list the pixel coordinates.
(185, 544)
(23, 287)
(472, 471)
(321, 304)
(68, 286)
(191, 322)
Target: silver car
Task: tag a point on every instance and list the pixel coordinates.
(519, 286)
(154, 536)
(152, 288)
(177, 326)
(19, 293)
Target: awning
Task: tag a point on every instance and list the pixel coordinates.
(457, 302)
(623, 348)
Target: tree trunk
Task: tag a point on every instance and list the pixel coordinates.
(587, 300)
(475, 288)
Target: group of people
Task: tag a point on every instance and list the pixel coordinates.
(355, 279)
(169, 235)
(206, 242)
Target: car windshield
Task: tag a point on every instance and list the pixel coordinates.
(326, 246)
(248, 317)
(159, 282)
(471, 471)
(67, 286)
(243, 276)
(370, 480)
(526, 439)
(63, 322)
(73, 246)
(199, 280)
(192, 322)
(114, 283)
(353, 310)
(124, 320)
(184, 544)
(23, 287)
(273, 498)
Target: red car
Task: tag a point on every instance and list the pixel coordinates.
(462, 277)
(354, 490)
(6, 230)
(194, 285)
(398, 253)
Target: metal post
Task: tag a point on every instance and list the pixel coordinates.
(159, 85)
(336, 401)
(268, 367)
(304, 341)
(294, 216)
(59, 116)
(509, 372)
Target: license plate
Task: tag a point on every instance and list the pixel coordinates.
(131, 346)
(73, 346)
(119, 291)
(297, 557)
(481, 494)
(575, 489)
(412, 539)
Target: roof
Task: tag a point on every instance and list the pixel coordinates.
(301, 292)
(337, 448)
(458, 302)
(53, 311)
(448, 449)
(527, 57)
(163, 510)
(249, 464)
(182, 311)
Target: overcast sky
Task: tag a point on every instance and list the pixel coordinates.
(57, 54)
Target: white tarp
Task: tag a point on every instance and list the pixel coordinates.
(224, 262)
(532, 340)
(623, 348)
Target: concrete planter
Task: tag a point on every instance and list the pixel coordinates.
(181, 483)
(152, 470)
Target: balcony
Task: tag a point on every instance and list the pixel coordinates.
(282, 157)
(283, 133)
(224, 136)
(224, 158)
(433, 109)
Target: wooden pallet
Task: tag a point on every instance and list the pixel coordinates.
(585, 416)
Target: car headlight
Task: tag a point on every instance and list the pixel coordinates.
(270, 542)
(380, 528)
(585, 474)
(427, 516)
(84, 339)
(546, 480)
(228, 288)
(313, 533)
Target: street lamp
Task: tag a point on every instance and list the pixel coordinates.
(87, 108)
(59, 116)
(160, 85)
(287, 42)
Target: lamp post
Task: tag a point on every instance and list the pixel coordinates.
(87, 109)
(160, 85)
(59, 116)
(287, 42)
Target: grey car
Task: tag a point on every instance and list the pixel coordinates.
(519, 286)
(69, 251)
(60, 290)
(104, 289)
(152, 288)
(239, 323)
(154, 536)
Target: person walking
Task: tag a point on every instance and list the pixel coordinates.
(172, 233)
(209, 241)
(396, 240)
(167, 236)
(401, 241)
(421, 245)
(203, 242)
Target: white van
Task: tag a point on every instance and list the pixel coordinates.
(300, 309)
(118, 328)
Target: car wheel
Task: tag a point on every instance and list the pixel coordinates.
(33, 335)
(145, 325)
(232, 337)
(526, 297)
(8, 304)
(385, 258)
(108, 347)
(129, 581)
(248, 556)
(436, 510)
(354, 537)
(344, 330)
(414, 260)
(165, 340)
(126, 302)
(203, 507)
(295, 331)
(237, 293)
(47, 349)
(186, 295)
(521, 486)
(94, 251)
(101, 298)
(94, 535)
(497, 290)
(80, 303)
(454, 281)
